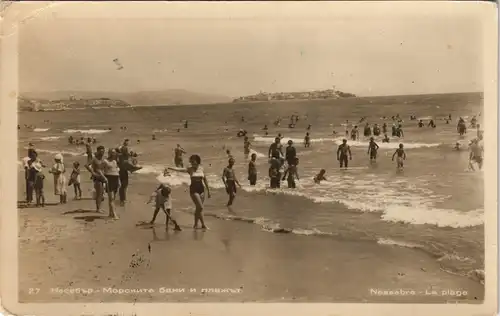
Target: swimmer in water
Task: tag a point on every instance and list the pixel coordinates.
(384, 128)
(163, 200)
(394, 130)
(401, 156)
(89, 151)
(186, 124)
(461, 127)
(292, 173)
(252, 170)
(479, 132)
(229, 155)
(457, 146)
(274, 173)
(420, 124)
(307, 141)
(246, 147)
(320, 176)
(431, 124)
(355, 133)
(399, 131)
(372, 149)
(178, 152)
(153, 137)
(385, 139)
(367, 130)
(290, 153)
(342, 152)
(476, 154)
(230, 181)
(309, 127)
(275, 150)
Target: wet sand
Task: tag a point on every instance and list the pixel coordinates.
(71, 247)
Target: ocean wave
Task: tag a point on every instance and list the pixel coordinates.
(433, 216)
(40, 129)
(393, 145)
(391, 242)
(49, 138)
(270, 140)
(405, 202)
(86, 131)
(160, 130)
(63, 152)
(179, 178)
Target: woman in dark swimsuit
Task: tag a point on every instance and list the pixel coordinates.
(196, 188)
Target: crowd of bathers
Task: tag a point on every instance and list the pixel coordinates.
(109, 172)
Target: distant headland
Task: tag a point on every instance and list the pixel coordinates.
(40, 105)
(89, 99)
(309, 95)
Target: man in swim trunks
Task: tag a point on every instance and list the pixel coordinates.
(355, 133)
(307, 141)
(252, 170)
(88, 150)
(384, 128)
(399, 131)
(274, 173)
(372, 149)
(275, 150)
(290, 153)
(292, 173)
(32, 154)
(476, 154)
(367, 130)
(96, 167)
(342, 153)
(230, 181)
(178, 152)
(401, 156)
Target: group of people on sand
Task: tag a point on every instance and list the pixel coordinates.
(108, 174)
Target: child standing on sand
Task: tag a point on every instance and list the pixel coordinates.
(58, 170)
(74, 180)
(163, 201)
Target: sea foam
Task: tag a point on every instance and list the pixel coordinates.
(86, 131)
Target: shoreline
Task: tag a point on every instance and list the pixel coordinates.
(231, 255)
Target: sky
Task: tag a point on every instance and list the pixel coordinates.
(241, 56)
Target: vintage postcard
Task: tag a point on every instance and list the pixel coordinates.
(289, 156)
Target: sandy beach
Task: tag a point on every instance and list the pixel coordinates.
(71, 247)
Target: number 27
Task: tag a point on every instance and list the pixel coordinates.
(33, 290)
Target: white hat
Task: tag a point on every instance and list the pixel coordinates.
(58, 157)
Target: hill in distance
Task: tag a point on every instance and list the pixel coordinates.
(164, 97)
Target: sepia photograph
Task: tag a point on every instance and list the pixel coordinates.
(254, 155)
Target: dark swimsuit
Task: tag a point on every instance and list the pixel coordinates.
(196, 185)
